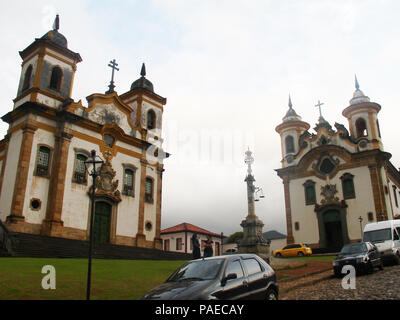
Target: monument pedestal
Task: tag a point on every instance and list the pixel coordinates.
(253, 241)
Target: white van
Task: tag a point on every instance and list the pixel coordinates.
(385, 235)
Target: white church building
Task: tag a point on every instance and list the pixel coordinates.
(336, 179)
(44, 185)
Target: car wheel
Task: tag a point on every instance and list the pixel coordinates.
(397, 258)
(300, 254)
(278, 255)
(271, 294)
(370, 268)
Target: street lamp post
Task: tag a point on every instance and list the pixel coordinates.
(361, 220)
(91, 162)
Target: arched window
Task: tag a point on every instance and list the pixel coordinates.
(348, 186)
(27, 78)
(43, 161)
(148, 190)
(80, 169)
(361, 128)
(55, 80)
(370, 216)
(309, 191)
(289, 142)
(128, 182)
(151, 120)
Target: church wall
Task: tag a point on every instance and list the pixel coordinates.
(87, 132)
(38, 187)
(22, 101)
(46, 100)
(363, 202)
(75, 208)
(128, 208)
(306, 216)
(150, 208)
(10, 172)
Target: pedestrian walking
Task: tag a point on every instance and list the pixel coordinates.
(208, 247)
(196, 246)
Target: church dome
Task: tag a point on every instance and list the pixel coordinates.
(291, 115)
(56, 37)
(358, 96)
(142, 82)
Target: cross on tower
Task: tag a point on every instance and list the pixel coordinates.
(113, 65)
(319, 104)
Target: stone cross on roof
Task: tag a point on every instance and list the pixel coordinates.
(113, 65)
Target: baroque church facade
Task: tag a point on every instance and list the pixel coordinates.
(337, 179)
(44, 184)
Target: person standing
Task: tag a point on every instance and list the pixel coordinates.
(208, 247)
(196, 246)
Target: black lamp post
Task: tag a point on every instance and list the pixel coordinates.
(361, 220)
(90, 165)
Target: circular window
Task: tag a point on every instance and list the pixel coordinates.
(148, 226)
(36, 204)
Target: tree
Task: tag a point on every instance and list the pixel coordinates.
(235, 237)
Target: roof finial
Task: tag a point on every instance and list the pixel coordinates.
(143, 71)
(290, 102)
(357, 84)
(56, 24)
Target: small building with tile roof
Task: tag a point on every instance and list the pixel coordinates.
(178, 238)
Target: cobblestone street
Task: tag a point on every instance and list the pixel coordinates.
(381, 285)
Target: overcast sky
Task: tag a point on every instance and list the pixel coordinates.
(226, 69)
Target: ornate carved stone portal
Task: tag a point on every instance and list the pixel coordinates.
(105, 186)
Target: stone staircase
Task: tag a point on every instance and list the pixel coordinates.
(37, 246)
(5, 241)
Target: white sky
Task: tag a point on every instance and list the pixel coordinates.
(226, 69)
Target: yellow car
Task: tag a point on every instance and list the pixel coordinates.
(293, 250)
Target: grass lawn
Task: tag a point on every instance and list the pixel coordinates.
(21, 278)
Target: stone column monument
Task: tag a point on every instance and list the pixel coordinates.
(253, 241)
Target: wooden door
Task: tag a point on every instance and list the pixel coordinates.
(102, 222)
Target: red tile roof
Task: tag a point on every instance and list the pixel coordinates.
(189, 228)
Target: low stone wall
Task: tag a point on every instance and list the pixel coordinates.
(28, 245)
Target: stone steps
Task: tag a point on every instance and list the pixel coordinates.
(28, 245)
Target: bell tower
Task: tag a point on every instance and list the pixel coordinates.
(362, 115)
(290, 131)
(48, 69)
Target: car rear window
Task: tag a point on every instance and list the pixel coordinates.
(252, 266)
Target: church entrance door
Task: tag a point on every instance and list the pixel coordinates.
(333, 230)
(102, 222)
